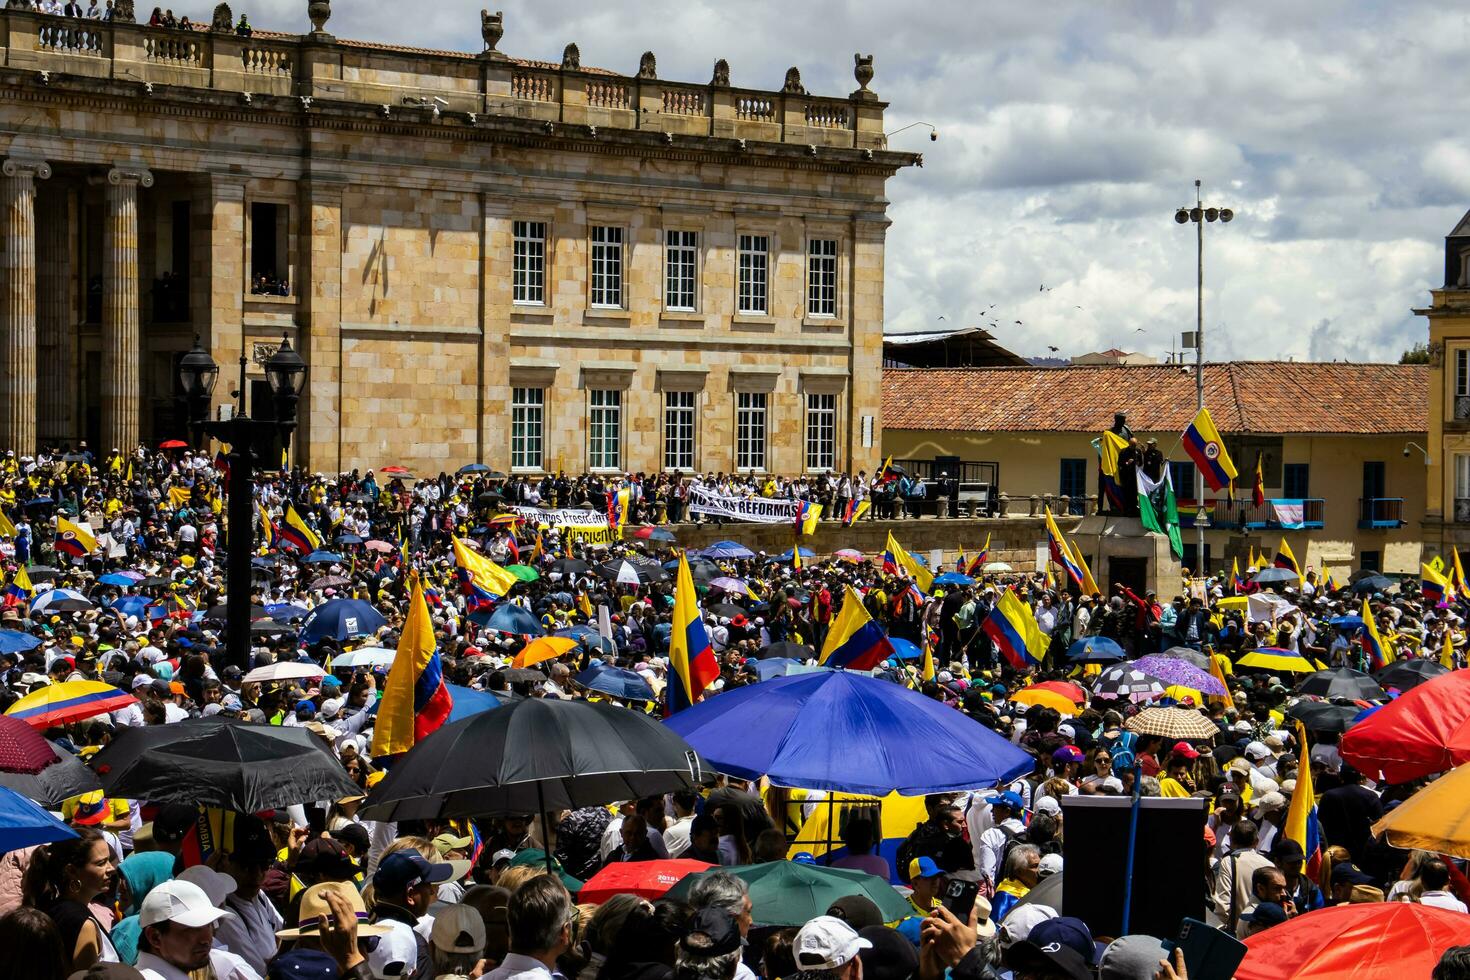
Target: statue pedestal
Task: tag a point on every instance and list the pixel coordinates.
(1120, 551)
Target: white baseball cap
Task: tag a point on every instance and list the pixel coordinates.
(178, 901)
(397, 952)
(826, 943)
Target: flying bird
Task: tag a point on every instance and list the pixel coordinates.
(1053, 349)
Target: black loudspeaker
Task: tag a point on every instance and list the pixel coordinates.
(1169, 863)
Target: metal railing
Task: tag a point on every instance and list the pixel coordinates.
(1244, 514)
(1380, 512)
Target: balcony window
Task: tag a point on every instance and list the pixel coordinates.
(1462, 488)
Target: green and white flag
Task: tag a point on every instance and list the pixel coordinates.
(1157, 509)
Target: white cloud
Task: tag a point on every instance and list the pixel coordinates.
(1071, 131)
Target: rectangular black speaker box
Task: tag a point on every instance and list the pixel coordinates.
(1169, 863)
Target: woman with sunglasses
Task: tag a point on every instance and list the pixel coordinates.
(1098, 767)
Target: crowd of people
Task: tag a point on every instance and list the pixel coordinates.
(314, 890)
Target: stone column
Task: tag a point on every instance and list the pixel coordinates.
(121, 351)
(56, 319)
(18, 315)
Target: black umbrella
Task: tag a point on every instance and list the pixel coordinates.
(532, 756)
(222, 763)
(42, 573)
(523, 675)
(787, 649)
(646, 569)
(1188, 655)
(220, 613)
(1408, 674)
(570, 566)
(1322, 716)
(26, 770)
(1341, 682)
(154, 582)
(269, 627)
(1372, 582)
(725, 609)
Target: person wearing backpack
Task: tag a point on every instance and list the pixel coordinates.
(1006, 811)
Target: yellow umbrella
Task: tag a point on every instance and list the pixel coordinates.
(1275, 658)
(1179, 692)
(543, 648)
(1045, 698)
(1437, 818)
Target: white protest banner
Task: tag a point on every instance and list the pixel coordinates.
(758, 510)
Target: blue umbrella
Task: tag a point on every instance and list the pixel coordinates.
(283, 611)
(905, 649)
(727, 549)
(787, 556)
(615, 681)
(591, 640)
(322, 557)
(117, 579)
(468, 701)
(341, 619)
(348, 539)
(849, 732)
(130, 605)
(953, 578)
(775, 667)
(1347, 622)
(474, 468)
(14, 641)
(510, 618)
(24, 824)
(1095, 650)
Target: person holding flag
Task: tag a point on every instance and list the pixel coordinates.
(1285, 559)
(481, 580)
(692, 664)
(73, 539)
(1012, 627)
(19, 591)
(415, 702)
(298, 534)
(1379, 654)
(1303, 830)
(895, 559)
(854, 641)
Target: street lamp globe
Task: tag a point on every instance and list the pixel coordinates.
(197, 375)
(286, 373)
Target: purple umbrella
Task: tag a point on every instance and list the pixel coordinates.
(1179, 672)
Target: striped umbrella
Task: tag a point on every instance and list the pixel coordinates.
(1275, 658)
(1126, 681)
(57, 704)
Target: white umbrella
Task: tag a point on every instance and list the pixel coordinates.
(365, 657)
(288, 671)
(628, 575)
(996, 566)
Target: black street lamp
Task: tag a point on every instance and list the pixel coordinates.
(286, 374)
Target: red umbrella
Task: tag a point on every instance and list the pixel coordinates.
(395, 470)
(1066, 689)
(1372, 941)
(646, 879)
(1424, 731)
(22, 749)
(173, 444)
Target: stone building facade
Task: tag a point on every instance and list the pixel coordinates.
(529, 265)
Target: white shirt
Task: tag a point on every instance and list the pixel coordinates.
(226, 966)
(992, 847)
(676, 836)
(1443, 900)
(519, 967)
(250, 933)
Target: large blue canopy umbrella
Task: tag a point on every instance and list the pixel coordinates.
(14, 641)
(341, 619)
(25, 824)
(788, 556)
(283, 612)
(727, 549)
(905, 649)
(618, 682)
(1095, 650)
(510, 618)
(849, 732)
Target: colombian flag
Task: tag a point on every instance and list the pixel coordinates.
(895, 559)
(1258, 491)
(297, 534)
(854, 512)
(692, 664)
(855, 641)
(807, 514)
(1060, 553)
(7, 529)
(73, 539)
(1237, 584)
(480, 579)
(1434, 585)
(267, 529)
(1301, 819)
(617, 510)
(20, 588)
(1108, 445)
(415, 701)
(1012, 628)
(1203, 444)
(1285, 559)
(1379, 655)
(978, 562)
(885, 474)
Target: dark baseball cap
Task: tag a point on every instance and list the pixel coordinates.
(891, 956)
(322, 855)
(403, 870)
(1070, 932)
(1349, 873)
(712, 932)
(858, 911)
(302, 964)
(1266, 914)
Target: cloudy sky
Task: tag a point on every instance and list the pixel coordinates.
(1070, 132)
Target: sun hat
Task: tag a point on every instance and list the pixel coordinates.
(178, 901)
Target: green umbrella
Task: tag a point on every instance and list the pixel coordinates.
(523, 572)
(788, 893)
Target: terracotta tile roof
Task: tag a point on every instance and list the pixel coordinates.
(1269, 397)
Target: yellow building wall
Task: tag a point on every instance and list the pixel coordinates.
(1030, 463)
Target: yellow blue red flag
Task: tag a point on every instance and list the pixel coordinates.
(1301, 817)
(895, 560)
(1012, 627)
(855, 641)
(73, 539)
(297, 534)
(1379, 653)
(415, 701)
(480, 579)
(692, 664)
(1203, 444)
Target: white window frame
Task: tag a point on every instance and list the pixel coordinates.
(681, 430)
(821, 278)
(528, 263)
(1461, 486)
(752, 431)
(753, 276)
(528, 428)
(605, 429)
(607, 255)
(681, 270)
(821, 432)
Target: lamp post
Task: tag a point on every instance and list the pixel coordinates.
(1200, 215)
(286, 374)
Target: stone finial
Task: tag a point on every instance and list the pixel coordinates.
(19, 5)
(648, 65)
(223, 21)
(721, 77)
(862, 70)
(492, 28)
(320, 11)
(793, 84)
(571, 58)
